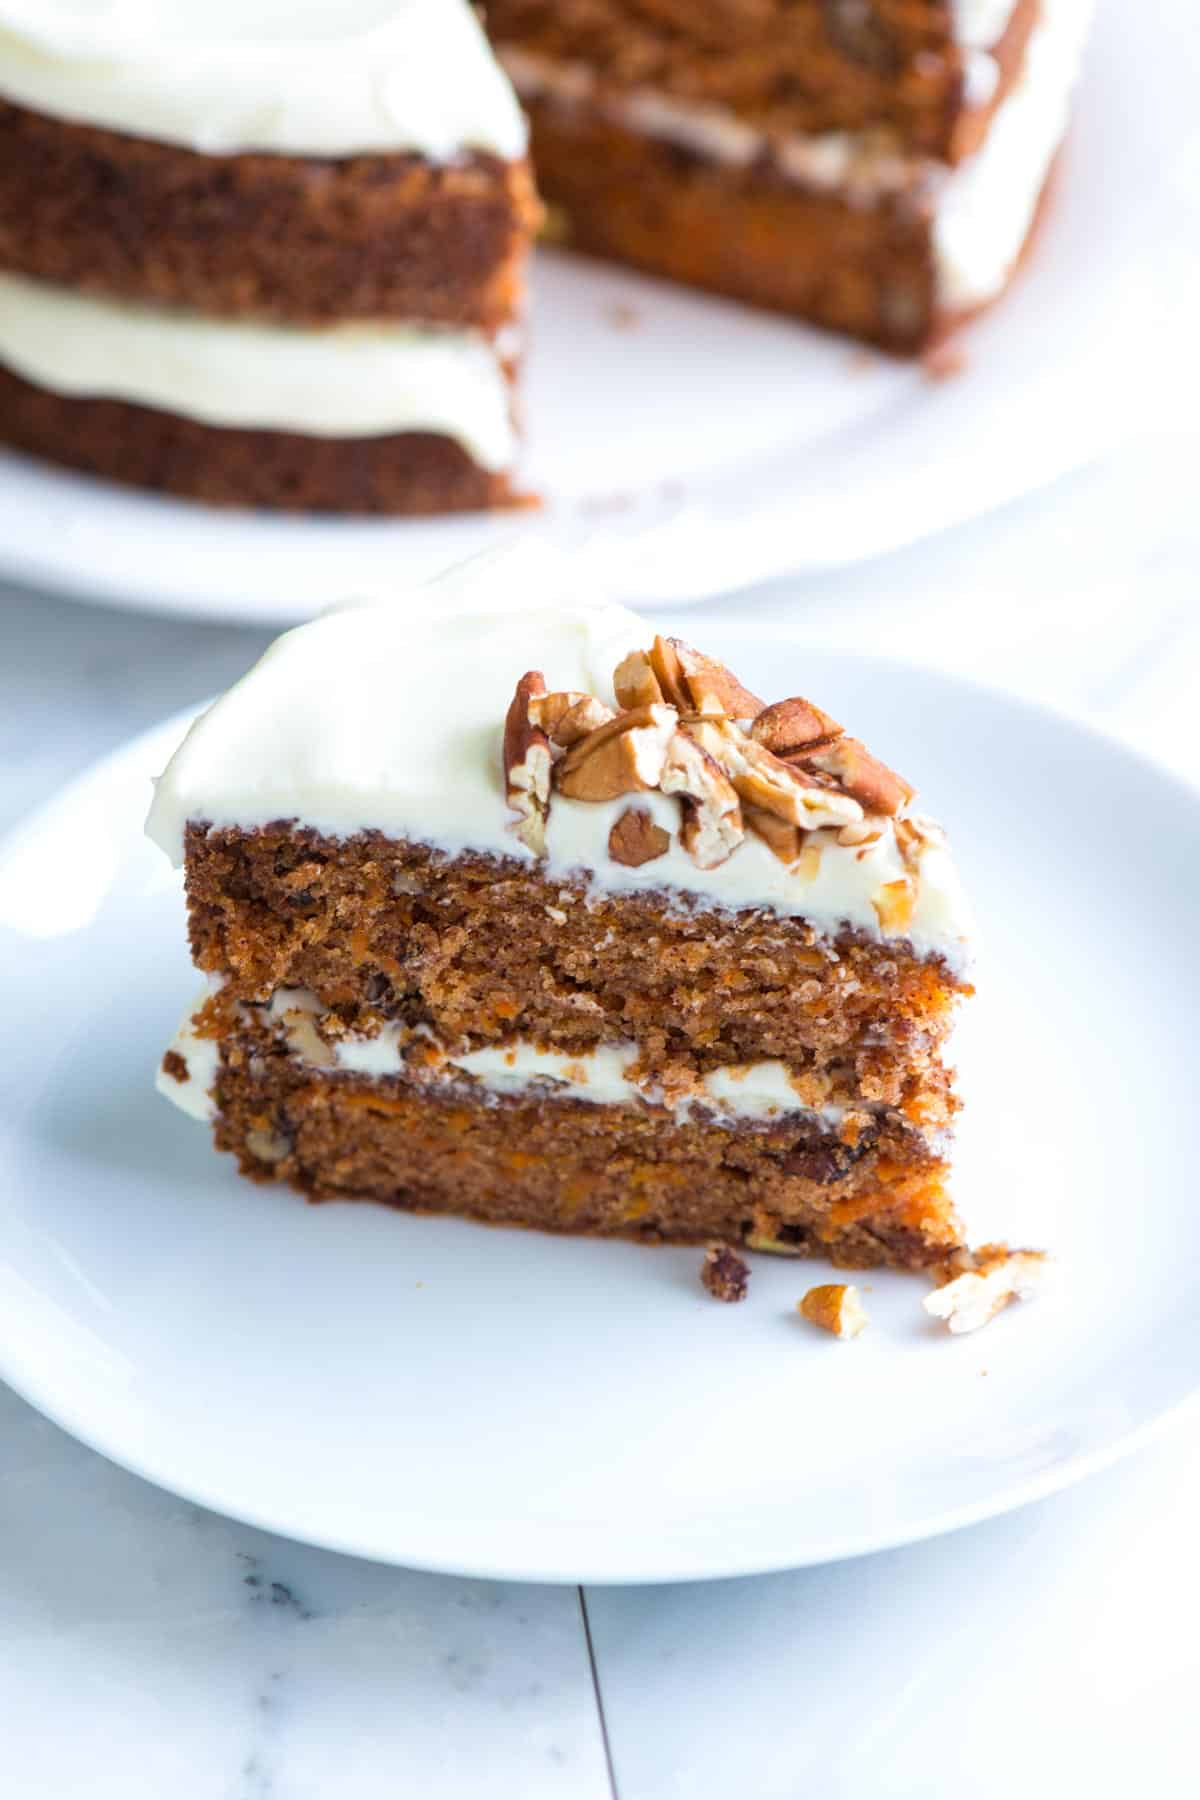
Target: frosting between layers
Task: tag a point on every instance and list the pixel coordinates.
(982, 209)
(297, 77)
(388, 717)
(368, 380)
(758, 1092)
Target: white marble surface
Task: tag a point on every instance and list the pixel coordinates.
(149, 1650)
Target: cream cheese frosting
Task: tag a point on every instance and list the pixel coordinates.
(389, 717)
(299, 77)
(361, 380)
(982, 209)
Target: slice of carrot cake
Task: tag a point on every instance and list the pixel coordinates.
(510, 908)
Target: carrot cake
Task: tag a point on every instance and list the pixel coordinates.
(509, 908)
(872, 165)
(263, 254)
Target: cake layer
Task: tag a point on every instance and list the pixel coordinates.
(297, 77)
(848, 229)
(483, 950)
(785, 66)
(871, 1192)
(287, 744)
(368, 238)
(408, 472)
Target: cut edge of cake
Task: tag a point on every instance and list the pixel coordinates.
(564, 927)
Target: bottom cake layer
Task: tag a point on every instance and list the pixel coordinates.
(865, 1190)
(409, 472)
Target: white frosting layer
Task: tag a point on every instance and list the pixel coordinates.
(203, 1056)
(302, 77)
(389, 717)
(983, 209)
(342, 381)
(987, 206)
(757, 1092)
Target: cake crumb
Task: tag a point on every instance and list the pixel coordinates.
(835, 1307)
(975, 1285)
(176, 1067)
(724, 1273)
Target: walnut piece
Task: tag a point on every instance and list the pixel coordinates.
(724, 1273)
(635, 838)
(975, 1285)
(624, 756)
(836, 1307)
(712, 818)
(527, 766)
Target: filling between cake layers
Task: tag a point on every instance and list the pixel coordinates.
(340, 381)
(981, 211)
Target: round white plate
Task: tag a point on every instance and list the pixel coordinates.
(440, 1394)
(703, 446)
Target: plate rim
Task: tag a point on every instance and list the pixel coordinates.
(1011, 1495)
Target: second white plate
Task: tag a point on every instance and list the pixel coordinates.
(495, 1402)
(700, 446)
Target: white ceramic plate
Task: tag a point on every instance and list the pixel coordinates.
(704, 446)
(440, 1394)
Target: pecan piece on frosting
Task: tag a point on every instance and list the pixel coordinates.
(624, 756)
(787, 841)
(697, 684)
(527, 765)
(635, 683)
(766, 781)
(567, 716)
(794, 724)
(635, 838)
(877, 788)
(712, 818)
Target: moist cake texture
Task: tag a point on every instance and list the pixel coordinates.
(237, 242)
(508, 908)
(874, 167)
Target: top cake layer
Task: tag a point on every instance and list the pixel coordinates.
(322, 78)
(390, 718)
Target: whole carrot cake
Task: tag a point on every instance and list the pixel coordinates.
(510, 908)
(263, 254)
(875, 166)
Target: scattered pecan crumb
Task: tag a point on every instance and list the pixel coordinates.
(176, 1067)
(975, 1285)
(724, 1273)
(834, 1307)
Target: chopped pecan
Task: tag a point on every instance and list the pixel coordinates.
(766, 781)
(877, 788)
(635, 682)
(785, 840)
(836, 1307)
(625, 756)
(579, 721)
(894, 903)
(712, 819)
(794, 724)
(527, 765)
(567, 716)
(977, 1284)
(712, 689)
(635, 838)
